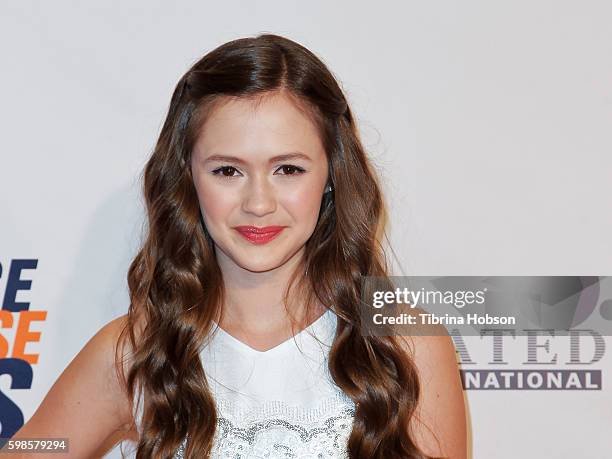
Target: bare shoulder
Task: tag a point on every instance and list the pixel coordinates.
(87, 403)
(439, 425)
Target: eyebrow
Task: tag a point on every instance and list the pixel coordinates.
(236, 160)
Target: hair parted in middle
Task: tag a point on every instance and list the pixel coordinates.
(176, 286)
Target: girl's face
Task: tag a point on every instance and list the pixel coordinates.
(259, 165)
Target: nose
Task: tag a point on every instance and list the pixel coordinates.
(259, 197)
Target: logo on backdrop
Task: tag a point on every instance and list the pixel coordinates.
(17, 324)
(510, 332)
(561, 355)
(541, 366)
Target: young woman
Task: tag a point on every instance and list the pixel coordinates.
(243, 334)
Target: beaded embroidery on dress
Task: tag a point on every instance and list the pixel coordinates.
(272, 433)
(280, 403)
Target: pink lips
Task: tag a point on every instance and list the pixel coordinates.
(257, 235)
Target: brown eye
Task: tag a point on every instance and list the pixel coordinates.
(289, 169)
(225, 171)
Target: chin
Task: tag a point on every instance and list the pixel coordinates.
(262, 262)
(259, 267)
(260, 258)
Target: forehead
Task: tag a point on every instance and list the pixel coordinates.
(262, 126)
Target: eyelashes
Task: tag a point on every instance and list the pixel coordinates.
(223, 171)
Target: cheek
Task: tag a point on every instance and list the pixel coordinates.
(303, 204)
(214, 203)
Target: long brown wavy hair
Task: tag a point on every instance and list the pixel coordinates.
(176, 286)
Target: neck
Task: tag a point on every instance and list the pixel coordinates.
(254, 300)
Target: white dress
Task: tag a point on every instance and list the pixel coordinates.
(280, 403)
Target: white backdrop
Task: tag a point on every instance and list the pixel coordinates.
(490, 122)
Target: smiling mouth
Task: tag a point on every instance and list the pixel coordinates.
(257, 235)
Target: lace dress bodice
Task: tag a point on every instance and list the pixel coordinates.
(280, 403)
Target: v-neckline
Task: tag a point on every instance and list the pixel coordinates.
(241, 346)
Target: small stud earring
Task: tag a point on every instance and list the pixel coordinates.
(328, 189)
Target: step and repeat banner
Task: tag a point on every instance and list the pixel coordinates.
(489, 123)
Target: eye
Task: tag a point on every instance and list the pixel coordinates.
(290, 169)
(225, 171)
